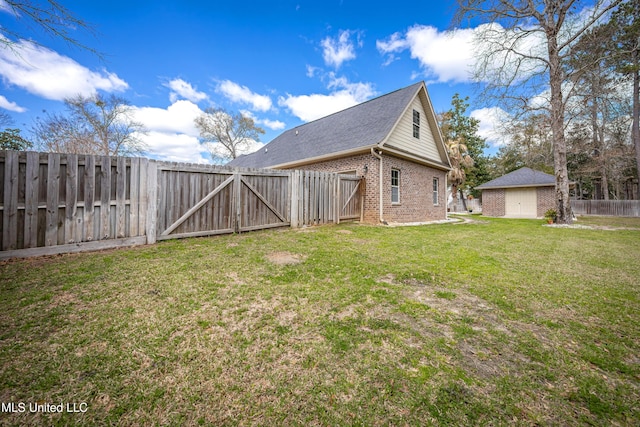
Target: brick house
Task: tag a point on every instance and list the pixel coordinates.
(523, 193)
(393, 141)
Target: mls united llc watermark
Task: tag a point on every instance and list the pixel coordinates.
(42, 408)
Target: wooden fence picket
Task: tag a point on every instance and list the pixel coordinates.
(54, 203)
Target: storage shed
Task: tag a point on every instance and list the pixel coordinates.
(523, 193)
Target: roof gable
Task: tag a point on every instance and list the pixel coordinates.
(352, 130)
(523, 177)
(429, 144)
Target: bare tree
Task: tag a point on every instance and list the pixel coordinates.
(625, 49)
(602, 97)
(5, 119)
(49, 16)
(93, 125)
(530, 144)
(227, 136)
(529, 49)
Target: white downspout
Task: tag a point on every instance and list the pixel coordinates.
(379, 157)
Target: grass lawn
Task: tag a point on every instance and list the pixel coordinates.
(493, 322)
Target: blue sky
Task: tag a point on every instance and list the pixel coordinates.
(283, 63)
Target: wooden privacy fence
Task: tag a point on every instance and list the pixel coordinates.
(606, 207)
(54, 203)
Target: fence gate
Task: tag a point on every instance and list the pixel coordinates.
(204, 200)
(351, 189)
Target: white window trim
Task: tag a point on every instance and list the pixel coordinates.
(436, 191)
(414, 124)
(396, 186)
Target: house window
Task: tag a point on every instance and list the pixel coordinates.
(435, 191)
(416, 124)
(395, 186)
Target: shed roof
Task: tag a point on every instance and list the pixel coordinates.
(359, 127)
(523, 177)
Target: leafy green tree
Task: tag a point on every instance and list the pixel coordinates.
(10, 139)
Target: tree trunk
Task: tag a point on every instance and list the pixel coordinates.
(464, 202)
(635, 128)
(454, 194)
(563, 205)
(598, 141)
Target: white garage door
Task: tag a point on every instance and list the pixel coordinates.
(521, 202)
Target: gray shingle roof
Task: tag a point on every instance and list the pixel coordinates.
(523, 177)
(361, 126)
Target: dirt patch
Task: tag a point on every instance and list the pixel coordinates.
(306, 229)
(233, 278)
(469, 323)
(467, 220)
(344, 231)
(285, 258)
(63, 298)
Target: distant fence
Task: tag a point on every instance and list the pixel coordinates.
(472, 205)
(606, 207)
(54, 203)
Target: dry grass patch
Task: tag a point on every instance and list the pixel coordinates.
(284, 258)
(432, 325)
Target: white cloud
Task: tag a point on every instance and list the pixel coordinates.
(311, 70)
(46, 73)
(451, 56)
(314, 106)
(174, 147)
(445, 56)
(177, 118)
(336, 51)
(172, 134)
(4, 7)
(183, 90)
(492, 121)
(11, 106)
(271, 124)
(243, 95)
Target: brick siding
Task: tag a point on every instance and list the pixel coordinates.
(416, 187)
(546, 200)
(493, 202)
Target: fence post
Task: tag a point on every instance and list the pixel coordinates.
(32, 186)
(152, 201)
(53, 193)
(237, 193)
(295, 193)
(338, 198)
(10, 203)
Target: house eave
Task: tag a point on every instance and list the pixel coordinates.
(514, 186)
(418, 159)
(323, 158)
